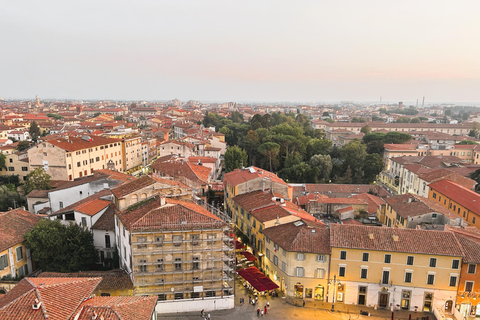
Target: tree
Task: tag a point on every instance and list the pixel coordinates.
(330, 120)
(23, 145)
(2, 161)
(475, 130)
(325, 114)
(403, 120)
(357, 120)
(324, 165)
(365, 129)
(372, 167)
(9, 196)
(466, 142)
(37, 179)
(118, 118)
(269, 150)
(34, 130)
(353, 156)
(476, 176)
(415, 120)
(59, 248)
(235, 158)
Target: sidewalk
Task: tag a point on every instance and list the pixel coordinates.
(355, 310)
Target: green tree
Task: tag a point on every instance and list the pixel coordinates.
(37, 179)
(2, 161)
(474, 132)
(23, 145)
(270, 150)
(365, 129)
(59, 248)
(236, 117)
(118, 118)
(357, 120)
(34, 130)
(329, 120)
(235, 158)
(467, 142)
(372, 167)
(318, 146)
(415, 120)
(9, 197)
(324, 165)
(353, 156)
(325, 114)
(423, 119)
(403, 120)
(476, 176)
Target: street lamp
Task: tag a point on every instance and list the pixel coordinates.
(334, 290)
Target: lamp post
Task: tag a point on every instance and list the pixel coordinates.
(334, 291)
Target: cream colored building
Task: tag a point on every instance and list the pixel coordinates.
(297, 258)
(16, 164)
(72, 157)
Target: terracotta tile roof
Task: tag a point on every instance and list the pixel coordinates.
(76, 143)
(116, 175)
(254, 200)
(417, 168)
(411, 205)
(451, 175)
(311, 197)
(463, 196)
(202, 159)
(238, 176)
(132, 186)
(107, 220)
(343, 190)
(38, 194)
(170, 182)
(121, 308)
(346, 209)
(309, 237)
(74, 206)
(471, 248)
(13, 226)
(373, 202)
(179, 168)
(110, 280)
(408, 241)
(92, 207)
(176, 214)
(60, 298)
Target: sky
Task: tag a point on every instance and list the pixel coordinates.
(312, 51)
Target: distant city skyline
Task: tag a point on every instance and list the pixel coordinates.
(248, 51)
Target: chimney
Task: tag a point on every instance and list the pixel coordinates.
(395, 237)
(371, 236)
(36, 305)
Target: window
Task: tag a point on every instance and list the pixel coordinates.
(275, 247)
(268, 240)
(385, 277)
(365, 256)
(107, 241)
(473, 220)
(177, 240)
(195, 239)
(363, 273)
(408, 277)
(343, 255)
(178, 296)
(26, 168)
(341, 271)
(388, 258)
(321, 258)
(300, 256)
(142, 241)
(267, 253)
(196, 263)
(320, 273)
(84, 221)
(455, 264)
(433, 262)
(284, 266)
(19, 253)
(434, 195)
(275, 260)
(160, 264)
(143, 267)
(178, 263)
(472, 268)
(60, 204)
(299, 271)
(3, 262)
(410, 260)
(468, 286)
(453, 281)
(430, 279)
(284, 252)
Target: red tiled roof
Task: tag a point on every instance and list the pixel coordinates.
(132, 186)
(373, 202)
(93, 207)
(111, 280)
(13, 226)
(400, 147)
(107, 220)
(59, 297)
(309, 237)
(411, 205)
(74, 206)
(237, 176)
(76, 143)
(463, 196)
(409, 240)
(254, 200)
(118, 308)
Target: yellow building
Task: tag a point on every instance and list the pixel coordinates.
(297, 258)
(14, 256)
(72, 157)
(406, 269)
(179, 251)
(16, 164)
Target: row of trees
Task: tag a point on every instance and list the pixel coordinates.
(287, 145)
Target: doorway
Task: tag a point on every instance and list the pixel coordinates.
(427, 302)
(448, 306)
(406, 299)
(362, 296)
(383, 299)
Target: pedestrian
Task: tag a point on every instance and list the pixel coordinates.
(262, 313)
(265, 309)
(268, 304)
(304, 303)
(258, 312)
(202, 313)
(250, 299)
(208, 316)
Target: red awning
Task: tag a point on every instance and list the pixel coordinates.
(257, 279)
(249, 256)
(238, 245)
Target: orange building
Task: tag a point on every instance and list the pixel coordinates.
(463, 202)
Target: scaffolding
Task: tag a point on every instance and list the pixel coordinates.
(184, 261)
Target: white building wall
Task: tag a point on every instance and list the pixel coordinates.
(207, 304)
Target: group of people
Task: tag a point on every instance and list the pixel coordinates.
(264, 311)
(204, 315)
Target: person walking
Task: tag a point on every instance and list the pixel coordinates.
(265, 309)
(304, 303)
(258, 312)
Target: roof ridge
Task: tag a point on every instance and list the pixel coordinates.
(39, 297)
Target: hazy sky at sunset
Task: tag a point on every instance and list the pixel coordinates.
(241, 50)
